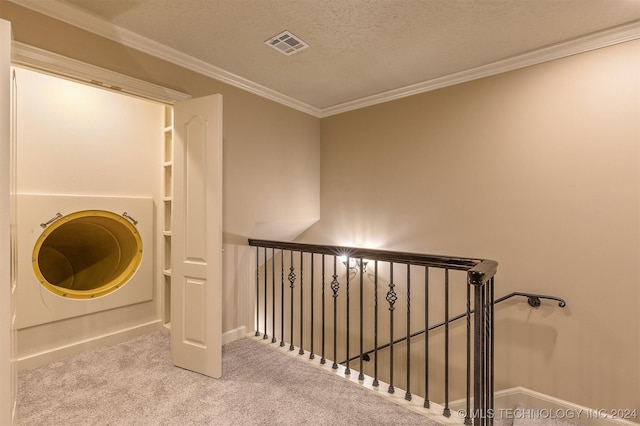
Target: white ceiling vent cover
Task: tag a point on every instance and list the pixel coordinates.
(286, 43)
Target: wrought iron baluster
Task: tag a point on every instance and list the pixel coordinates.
(361, 375)
(375, 325)
(335, 286)
(447, 411)
(479, 359)
(265, 336)
(347, 370)
(426, 337)
(391, 299)
(273, 296)
(311, 354)
(258, 291)
(483, 355)
(490, 370)
(323, 360)
(467, 417)
(301, 351)
(292, 280)
(281, 297)
(407, 394)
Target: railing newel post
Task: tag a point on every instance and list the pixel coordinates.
(257, 291)
(467, 417)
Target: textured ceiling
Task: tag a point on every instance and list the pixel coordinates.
(358, 48)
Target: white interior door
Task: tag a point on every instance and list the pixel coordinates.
(8, 375)
(196, 259)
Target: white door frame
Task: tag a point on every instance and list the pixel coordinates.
(8, 374)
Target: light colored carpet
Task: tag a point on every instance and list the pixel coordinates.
(134, 383)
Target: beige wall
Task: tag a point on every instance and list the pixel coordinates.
(271, 153)
(538, 169)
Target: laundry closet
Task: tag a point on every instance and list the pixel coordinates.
(90, 202)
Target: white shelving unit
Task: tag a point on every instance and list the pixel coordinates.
(167, 202)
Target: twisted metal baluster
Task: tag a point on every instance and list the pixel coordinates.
(292, 280)
(335, 286)
(391, 298)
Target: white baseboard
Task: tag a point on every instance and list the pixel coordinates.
(416, 404)
(37, 359)
(520, 404)
(233, 335)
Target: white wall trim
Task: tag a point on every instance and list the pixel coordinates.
(233, 335)
(49, 355)
(416, 404)
(78, 18)
(594, 41)
(62, 66)
(519, 403)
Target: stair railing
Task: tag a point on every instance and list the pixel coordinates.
(534, 300)
(332, 276)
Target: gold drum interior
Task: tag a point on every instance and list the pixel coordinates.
(87, 254)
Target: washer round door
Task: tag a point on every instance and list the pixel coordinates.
(87, 254)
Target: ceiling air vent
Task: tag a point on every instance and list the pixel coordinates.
(287, 43)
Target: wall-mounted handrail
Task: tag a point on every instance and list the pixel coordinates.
(534, 300)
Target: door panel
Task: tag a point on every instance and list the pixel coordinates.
(8, 375)
(196, 293)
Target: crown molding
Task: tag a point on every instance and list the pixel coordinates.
(62, 66)
(78, 18)
(593, 41)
